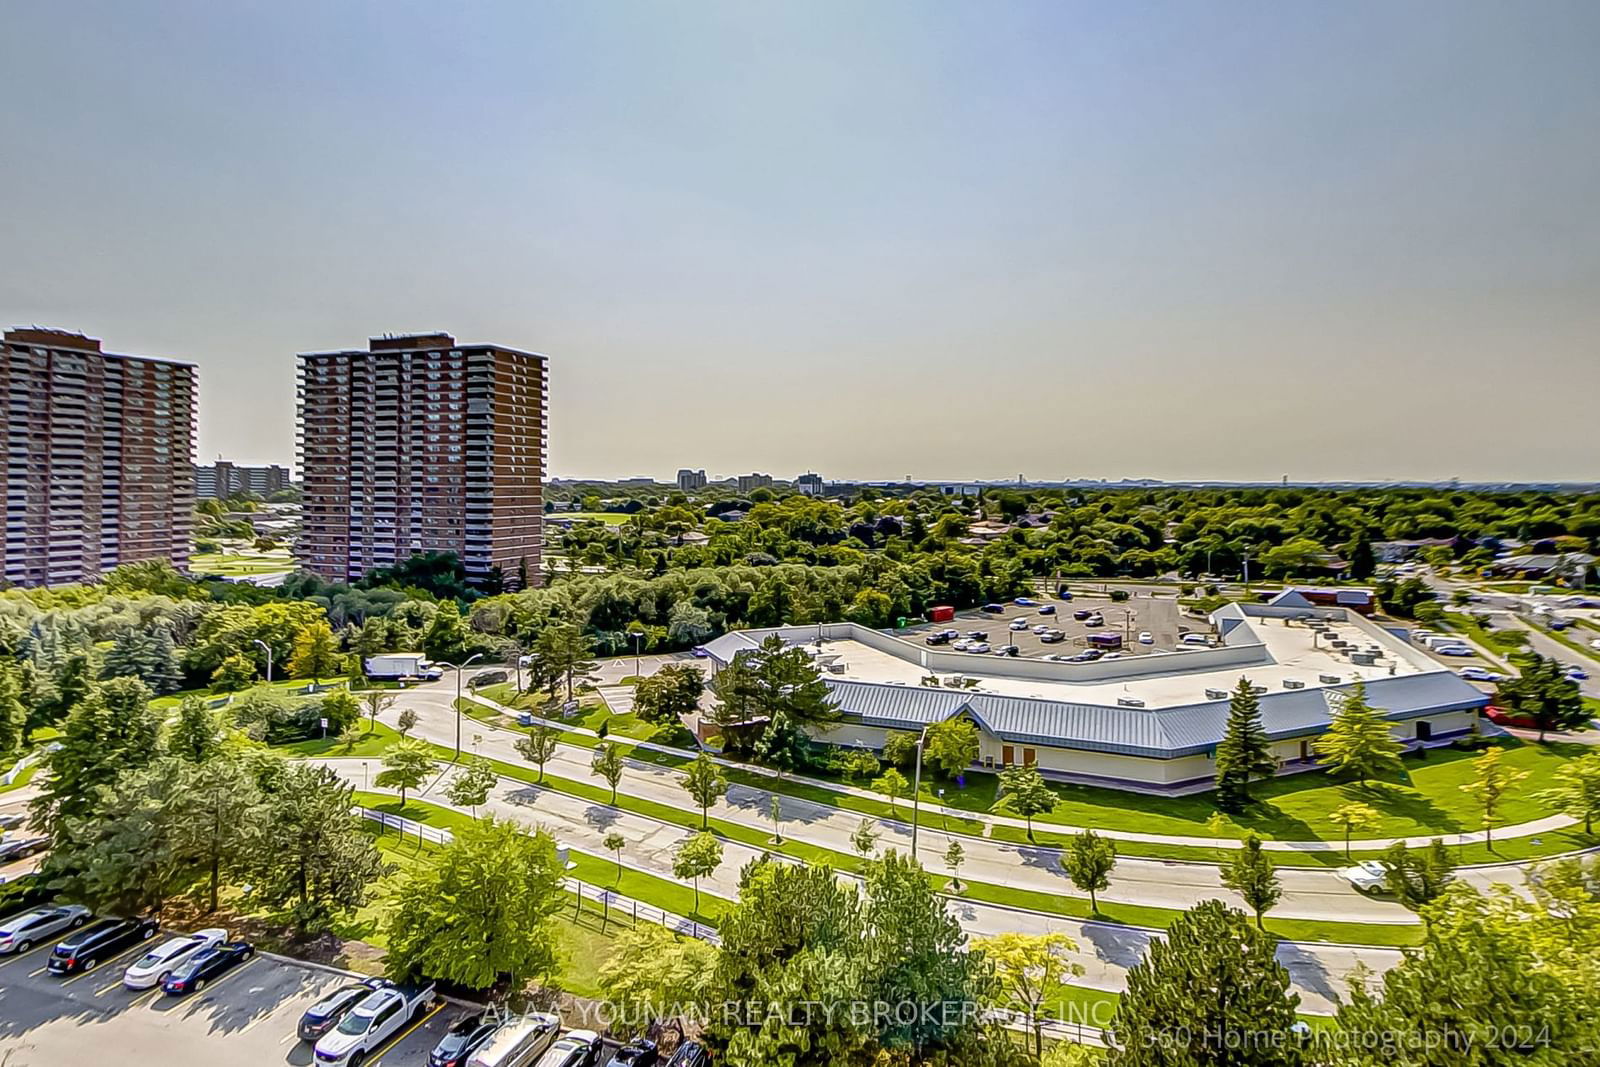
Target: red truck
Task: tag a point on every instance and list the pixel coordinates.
(942, 613)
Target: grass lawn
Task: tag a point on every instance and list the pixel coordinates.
(240, 564)
(372, 744)
(172, 700)
(610, 518)
(1501, 641)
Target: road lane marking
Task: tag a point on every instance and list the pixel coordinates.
(405, 1034)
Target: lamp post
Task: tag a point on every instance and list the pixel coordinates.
(638, 639)
(268, 650)
(916, 791)
(458, 668)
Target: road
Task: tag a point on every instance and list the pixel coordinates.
(1105, 950)
(1309, 893)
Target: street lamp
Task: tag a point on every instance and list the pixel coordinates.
(268, 650)
(458, 669)
(916, 791)
(638, 639)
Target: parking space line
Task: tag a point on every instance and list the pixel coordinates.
(407, 1032)
(36, 948)
(245, 966)
(106, 963)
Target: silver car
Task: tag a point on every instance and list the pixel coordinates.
(21, 932)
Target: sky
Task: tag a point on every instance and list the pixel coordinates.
(873, 239)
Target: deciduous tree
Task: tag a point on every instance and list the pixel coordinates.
(952, 746)
(1251, 874)
(472, 783)
(1024, 792)
(1088, 860)
(697, 857)
(539, 747)
(705, 783)
(607, 764)
(406, 765)
(1029, 968)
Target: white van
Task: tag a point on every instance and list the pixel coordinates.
(519, 1042)
(1195, 639)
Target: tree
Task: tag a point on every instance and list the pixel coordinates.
(1088, 860)
(614, 843)
(313, 851)
(1577, 790)
(666, 696)
(406, 765)
(1491, 780)
(1024, 792)
(377, 702)
(480, 915)
(1359, 741)
(1245, 752)
(1417, 878)
(471, 785)
(215, 822)
(1210, 992)
(899, 748)
(446, 638)
(1360, 556)
(565, 651)
(705, 782)
(341, 709)
(111, 731)
(1542, 693)
(649, 970)
(1353, 818)
(1029, 968)
(775, 806)
(697, 857)
(1252, 874)
(539, 747)
(196, 734)
(147, 654)
(407, 721)
(953, 857)
(892, 784)
(236, 671)
(952, 746)
(13, 716)
(121, 859)
(865, 839)
(316, 653)
(607, 763)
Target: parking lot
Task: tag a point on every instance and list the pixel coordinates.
(1161, 617)
(246, 1016)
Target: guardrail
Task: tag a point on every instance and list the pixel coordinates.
(622, 907)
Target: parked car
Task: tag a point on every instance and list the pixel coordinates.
(84, 950)
(325, 1014)
(1577, 674)
(940, 638)
(517, 1042)
(207, 966)
(1008, 650)
(23, 931)
(1480, 674)
(1088, 655)
(1051, 637)
(371, 1022)
(1081, 614)
(979, 647)
(1195, 639)
(20, 848)
(978, 635)
(1146, 637)
(465, 1036)
(1048, 609)
(1453, 650)
(1019, 624)
(1063, 593)
(962, 645)
(1041, 629)
(577, 1048)
(698, 651)
(1024, 602)
(1094, 620)
(1368, 876)
(691, 1054)
(151, 969)
(639, 1053)
(994, 609)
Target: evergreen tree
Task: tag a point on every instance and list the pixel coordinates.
(1210, 992)
(314, 854)
(1245, 752)
(196, 734)
(111, 731)
(13, 716)
(1542, 693)
(146, 654)
(1251, 874)
(566, 652)
(1359, 740)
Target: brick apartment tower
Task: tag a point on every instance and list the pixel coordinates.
(99, 458)
(422, 445)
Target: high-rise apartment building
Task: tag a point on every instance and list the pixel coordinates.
(224, 479)
(420, 444)
(690, 480)
(748, 482)
(99, 458)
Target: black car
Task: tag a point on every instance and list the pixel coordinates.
(692, 1054)
(22, 847)
(205, 966)
(640, 1053)
(1081, 614)
(462, 1040)
(1047, 609)
(978, 635)
(995, 609)
(83, 950)
(939, 638)
(325, 1014)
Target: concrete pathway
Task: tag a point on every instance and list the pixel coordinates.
(1106, 951)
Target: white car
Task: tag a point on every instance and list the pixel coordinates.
(979, 647)
(1041, 629)
(151, 969)
(1480, 674)
(577, 1048)
(962, 645)
(1020, 624)
(1369, 876)
(1595, 644)
(1146, 637)
(518, 1041)
(1453, 650)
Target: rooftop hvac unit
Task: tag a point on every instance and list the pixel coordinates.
(1363, 659)
(1293, 683)
(836, 668)
(1129, 702)
(1259, 690)
(1216, 694)
(1328, 679)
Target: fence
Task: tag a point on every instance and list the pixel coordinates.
(615, 903)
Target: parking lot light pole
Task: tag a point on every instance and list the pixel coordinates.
(458, 669)
(916, 791)
(638, 639)
(268, 650)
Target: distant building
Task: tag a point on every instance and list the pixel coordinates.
(689, 481)
(420, 444)
(99, 458)
(1306, 596)
(1400, 551)
(222, 480)
(750, 482)
(809, 484)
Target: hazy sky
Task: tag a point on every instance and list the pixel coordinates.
(1189, 239)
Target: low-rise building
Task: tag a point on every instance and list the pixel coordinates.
(1150, 722)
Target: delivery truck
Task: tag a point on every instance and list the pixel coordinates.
(402, 666)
